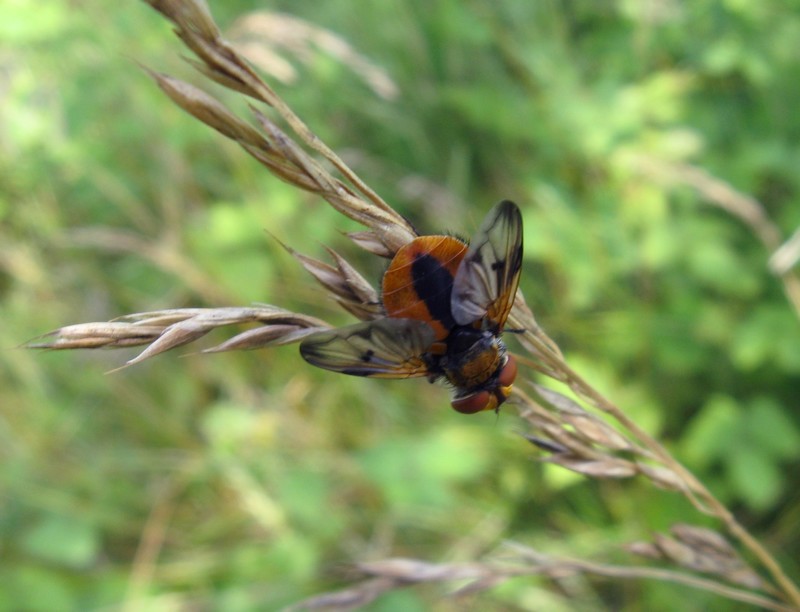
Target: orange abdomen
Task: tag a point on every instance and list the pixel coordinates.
(419, 281)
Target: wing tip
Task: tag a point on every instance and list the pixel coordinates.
(510, 209)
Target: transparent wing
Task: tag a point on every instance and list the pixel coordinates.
(386, 348)
(486, 281)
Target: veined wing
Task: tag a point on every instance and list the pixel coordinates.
(487, 280)
(386, 348)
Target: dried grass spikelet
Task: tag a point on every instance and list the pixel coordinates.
(585, 443)
(164, 330)
(347, 286)
(219, 61)
(385, 575)
(702, 550)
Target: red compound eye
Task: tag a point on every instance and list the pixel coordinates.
(507, 373)
(475, 402)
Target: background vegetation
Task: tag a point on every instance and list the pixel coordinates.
(247, 481)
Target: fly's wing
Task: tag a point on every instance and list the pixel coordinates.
(486, 282)
(386, 348)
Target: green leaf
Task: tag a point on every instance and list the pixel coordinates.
(770, 334)
(454, 454)
(772, 430)
(423, 471)
(711, 431)
(40, 588)
(302, 493)
(756, 478)
(65, 540)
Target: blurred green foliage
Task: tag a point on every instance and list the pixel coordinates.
(245, 481)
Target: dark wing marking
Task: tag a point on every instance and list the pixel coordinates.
(486, 281)
(386, 348)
